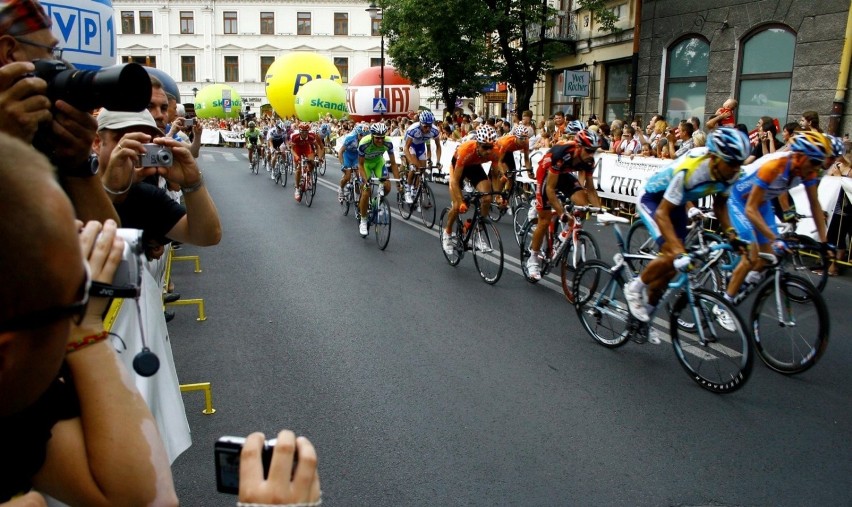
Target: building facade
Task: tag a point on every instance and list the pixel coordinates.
(199, 42)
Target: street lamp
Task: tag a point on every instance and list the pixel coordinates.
(376, 14)
(194, 92)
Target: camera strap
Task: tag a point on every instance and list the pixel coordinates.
(104, 290)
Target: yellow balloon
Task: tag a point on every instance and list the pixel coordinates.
(290, 72)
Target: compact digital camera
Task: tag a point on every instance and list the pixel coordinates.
(127, 273)
(155, 155)
(227, 456)
(189, 122)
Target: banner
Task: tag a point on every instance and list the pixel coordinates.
(210, 136)
(231, 137)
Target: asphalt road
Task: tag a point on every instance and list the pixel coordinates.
(421, 385)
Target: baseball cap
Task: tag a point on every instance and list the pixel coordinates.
(19, 17)
(119, 120)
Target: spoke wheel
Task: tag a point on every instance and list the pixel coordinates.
(321, 167)
(526, 235)
(600, 304)
(348, 199)
(722, 362)
(458, 252)
(488, 252)
(307, 194)
(809, 262)
(382, 226)
(520, 218)
(494, 212)
(282, 169)
(426, 201)
(587, 249)
(639, 240)
(797, 343)
(403, 207)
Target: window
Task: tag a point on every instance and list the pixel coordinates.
(376, 27)
(146, 22)
(303, 23)
(148, 61)
(265, 63)
(230, 22)
(127, 22)
(187, 68)
(558, 101)
(686, 79)
(375, 62)
(341, 23)
(187, 23)
(617, 93)
(342, 65)
(267, 23)
(232, 69)
(765, 74)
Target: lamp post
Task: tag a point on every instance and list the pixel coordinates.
(194, 92)
(376, 14)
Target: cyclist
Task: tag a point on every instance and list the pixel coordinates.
(304, 143)
(663, 205)
(348, 156)
(556, 173)
(505, 148)
(371, 164)
(252, 140)
(418, 149)
(762, 181)
(572, 128)
(274, 140)
(467, 163)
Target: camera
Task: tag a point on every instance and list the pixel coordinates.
(189, 122)
(155, 155)
(125, 87)
(227, 456)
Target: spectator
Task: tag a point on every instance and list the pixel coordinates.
(810, 121)
(767, 140)
(699, 139)
(646, 150)
(787, 132)
(724, 116)
(627, 145)
(684, 141)
(75, 424)
(558, 127)
(527, 121)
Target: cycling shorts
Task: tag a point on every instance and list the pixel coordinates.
(474, 173)
(418, 150)
(375, 169)
(745, 229)
(277, 144)
(298, 154)
(568, 184)
(350, 161)
(648, 204)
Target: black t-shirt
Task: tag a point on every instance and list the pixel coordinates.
(27, 433)
(150, 208)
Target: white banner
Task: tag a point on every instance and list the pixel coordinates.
(231, 137)
(210, 136)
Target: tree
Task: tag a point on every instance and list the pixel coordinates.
(447, 52)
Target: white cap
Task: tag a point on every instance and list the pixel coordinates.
(118, 120)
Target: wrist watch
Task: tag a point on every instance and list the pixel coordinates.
(87, 169)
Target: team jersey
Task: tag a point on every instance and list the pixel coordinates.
(417, 136)
(466, 155)
(303, 145)
(686, 178)
(508, 144)
(275, 135)
(252, 134)
(374, 154)
(350, 143)
(558, 152)
(772, 173)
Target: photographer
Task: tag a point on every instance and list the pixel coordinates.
(59, 130)
(78, 430)
(141, 205)
(284, 486)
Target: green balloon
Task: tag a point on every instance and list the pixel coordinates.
(209, 102)
(320, 97)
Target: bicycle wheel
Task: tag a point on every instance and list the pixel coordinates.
(600, 304)
(282, 169)
(720, 358)
(426, 203)
(809, 262)
(348, 199)
(520, 220)
(321, 167)
(487, 251)
(639, 240)
(276, 173)
(526, 239)
(799, 340)
(403, 207)
(382, 227)
(587, 249)
(254, 164)
(494, 212)
(314, 179)
(307, 194)
(458, 251)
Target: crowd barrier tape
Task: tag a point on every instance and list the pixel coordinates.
(162, 390)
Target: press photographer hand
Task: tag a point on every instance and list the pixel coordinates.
(184, 171)
(122, 172)
(103, 251)
(23, 103)
(284, 486)
(72, 132)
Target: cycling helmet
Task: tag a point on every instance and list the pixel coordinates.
(358, 130)
(812, 144)
(304, 127)
(287, 124)
(836, 145)
(574, 127)
(280, 124)
(485, 134)
(588, 140)
(520, 131)
(427, 118)
(378, 129)
(729, 144)
(252, 124)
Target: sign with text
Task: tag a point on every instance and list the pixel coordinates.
(85, 30)
(496, 97)
(575, 83)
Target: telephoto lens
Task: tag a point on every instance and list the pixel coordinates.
(124, 87)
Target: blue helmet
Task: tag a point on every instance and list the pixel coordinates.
(729, 144)
(427, 118)
(574, 127)
(836, 145)
(358, 130)
(812, 144)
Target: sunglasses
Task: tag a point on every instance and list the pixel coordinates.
(591, 150)
(486, 146)
(40, 318)
(378, 138)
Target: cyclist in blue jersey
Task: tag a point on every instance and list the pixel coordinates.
(371, 164)
(418, 149)
(348, 156)
(663, 203)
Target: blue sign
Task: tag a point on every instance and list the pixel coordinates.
(380, 105)
(85, 30)
(226, 103)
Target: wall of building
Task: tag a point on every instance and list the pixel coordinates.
(819, 27)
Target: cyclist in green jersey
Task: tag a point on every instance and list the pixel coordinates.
(371, 164)
(252, 139)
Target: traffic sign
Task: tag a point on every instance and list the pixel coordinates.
(380, 105)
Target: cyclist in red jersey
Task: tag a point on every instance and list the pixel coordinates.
(304, 143)
(467, 163)
(505, 148)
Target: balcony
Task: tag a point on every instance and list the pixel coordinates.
(564, 29)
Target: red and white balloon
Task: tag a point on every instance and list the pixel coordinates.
(401, 95)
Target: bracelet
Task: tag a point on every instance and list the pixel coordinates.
(86, 341)
(306, 504)
(193, 188)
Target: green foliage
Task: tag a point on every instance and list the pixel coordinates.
(601, 14)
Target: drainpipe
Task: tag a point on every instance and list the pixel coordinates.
(842, 78)
(637, 25)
